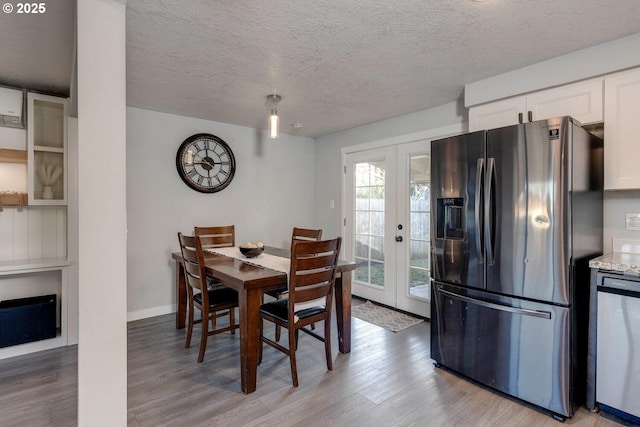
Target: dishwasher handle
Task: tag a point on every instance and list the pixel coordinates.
(616, 283)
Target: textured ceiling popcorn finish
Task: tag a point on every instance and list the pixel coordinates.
(337, 64)
(36, 50)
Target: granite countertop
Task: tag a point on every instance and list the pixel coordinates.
(622, 262)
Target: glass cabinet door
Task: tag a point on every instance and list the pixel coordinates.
(46, 148)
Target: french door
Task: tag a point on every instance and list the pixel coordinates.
(387, 224)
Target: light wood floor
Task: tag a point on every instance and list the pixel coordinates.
(387, 380)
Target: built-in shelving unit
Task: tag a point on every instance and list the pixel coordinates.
(46, 146)
(39, 267)
(33, 249)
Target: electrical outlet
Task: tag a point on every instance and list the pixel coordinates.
(632, 222)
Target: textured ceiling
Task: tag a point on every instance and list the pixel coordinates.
(37, 49)
(340, 64)
(336, 63)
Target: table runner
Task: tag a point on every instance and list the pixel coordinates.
(273, 262)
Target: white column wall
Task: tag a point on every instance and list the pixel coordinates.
(102, 348)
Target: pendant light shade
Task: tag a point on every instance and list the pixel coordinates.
(274, 120)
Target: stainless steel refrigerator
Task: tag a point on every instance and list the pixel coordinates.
(516, 215)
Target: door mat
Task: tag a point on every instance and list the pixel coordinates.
(384, 317)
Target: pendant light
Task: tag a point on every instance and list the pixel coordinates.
(274, 120)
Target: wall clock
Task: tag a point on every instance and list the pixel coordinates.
(205, 163)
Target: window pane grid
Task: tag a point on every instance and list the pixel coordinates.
(419, 224)
(369, 218)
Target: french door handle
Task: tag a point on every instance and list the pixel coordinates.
(398, 238)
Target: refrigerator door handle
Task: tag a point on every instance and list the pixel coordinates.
(478, 209)
(489, 211)
(523, 311)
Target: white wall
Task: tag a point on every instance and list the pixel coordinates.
(272, 191)
(616, 205)
(102, 214)
(328, 157)
(13, 177)
(33, 232)
(13, 138)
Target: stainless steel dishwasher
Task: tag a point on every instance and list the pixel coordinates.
(618, 345)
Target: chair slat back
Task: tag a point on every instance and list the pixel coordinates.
(305, 235)
(313, 270)
(193, 261)
(216, 237)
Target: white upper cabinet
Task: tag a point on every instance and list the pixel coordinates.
(497, 114)
(583, 101)
(46, 146)
(622, 130)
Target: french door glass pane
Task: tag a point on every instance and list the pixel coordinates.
(362, 198)
(377, 273)
(363, 223)
(377, 248)
(362, 247)
(369, 222)
(419, 212)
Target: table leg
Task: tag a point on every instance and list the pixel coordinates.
(181, 296)
(343, 311)
(249, 302)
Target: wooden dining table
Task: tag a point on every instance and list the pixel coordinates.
(251, 281)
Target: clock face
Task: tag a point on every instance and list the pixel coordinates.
(205, 163)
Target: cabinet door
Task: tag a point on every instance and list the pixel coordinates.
(497, 114)
(622, 130)
(582, 101)
(46, 146)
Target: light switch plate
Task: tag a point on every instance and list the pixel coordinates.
(632, 222)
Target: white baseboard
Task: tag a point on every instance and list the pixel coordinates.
(32, 347)
(150, 312)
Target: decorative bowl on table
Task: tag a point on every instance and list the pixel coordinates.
(251, 249)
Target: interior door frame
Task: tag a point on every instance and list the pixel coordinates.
(428, 135)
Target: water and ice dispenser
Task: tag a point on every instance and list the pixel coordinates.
(450, 218)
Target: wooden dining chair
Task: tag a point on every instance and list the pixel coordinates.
(297, 235)
(311, 285)
(222, 236)
(305, 235)
(209, 301)
(216, 237)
